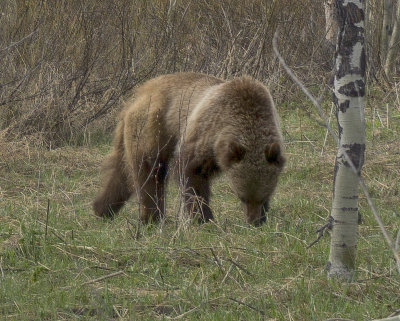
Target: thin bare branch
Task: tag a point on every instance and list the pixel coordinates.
(19, 41)
(396, 318)
(247, 305)
(103, 277)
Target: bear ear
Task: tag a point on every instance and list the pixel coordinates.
(234, 153)
(273, 154)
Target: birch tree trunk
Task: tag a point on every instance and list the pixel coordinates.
(393, 47)
(331, 22)
(349, 90)
(386, 28)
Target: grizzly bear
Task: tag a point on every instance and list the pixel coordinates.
(202, 125)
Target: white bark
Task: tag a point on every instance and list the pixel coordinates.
(349, 100)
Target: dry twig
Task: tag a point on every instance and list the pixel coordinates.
(321, 230)
(103, 277)
(247, 305)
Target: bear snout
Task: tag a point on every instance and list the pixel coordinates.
(254, 213)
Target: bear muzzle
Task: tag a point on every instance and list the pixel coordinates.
(255, 213)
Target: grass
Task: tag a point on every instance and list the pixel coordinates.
(59, 262)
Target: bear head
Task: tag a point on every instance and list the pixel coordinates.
(252, 173)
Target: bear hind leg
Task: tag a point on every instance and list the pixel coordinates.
(114, 194)
(150, 187)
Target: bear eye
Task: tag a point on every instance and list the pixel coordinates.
(242, 200)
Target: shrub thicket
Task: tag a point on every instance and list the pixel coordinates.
(65, 64)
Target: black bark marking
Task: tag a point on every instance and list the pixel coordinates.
(350, 197)
(349, 36)
(353, 89)
(335, 99)
(336, 102)
(340, 131)
(344, 106)
(356, 154)
(349, 209)
(354, 14)
(338, 221)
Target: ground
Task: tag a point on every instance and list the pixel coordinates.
(59, 262)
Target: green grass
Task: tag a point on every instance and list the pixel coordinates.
(226, 270)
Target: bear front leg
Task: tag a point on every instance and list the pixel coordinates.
(197, 195)
(151, 191)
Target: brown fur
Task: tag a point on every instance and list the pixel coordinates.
(207, 125)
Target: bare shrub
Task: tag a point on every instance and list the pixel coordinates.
(67, 64)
